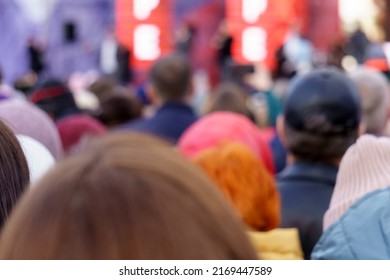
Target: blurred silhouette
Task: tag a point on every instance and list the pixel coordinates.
(124, 72)
(55, 98)
(36, 55)
(375, 94)
(223, 42)
(185, 36)
(357, 44)
(170, 90)
(119, 107)
(321, 119)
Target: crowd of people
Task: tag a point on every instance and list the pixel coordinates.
(104, 171)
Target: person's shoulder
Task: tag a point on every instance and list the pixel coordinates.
(315, 172)
(139, 124)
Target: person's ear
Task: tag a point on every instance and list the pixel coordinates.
(191, 89)
(153, 95)
(190, 94)
(362, 128)
(280, 129)
(150, 92)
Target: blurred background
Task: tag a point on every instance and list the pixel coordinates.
(58, 38)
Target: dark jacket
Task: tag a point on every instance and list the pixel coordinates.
(279, 154)
(169, 122)
(306, 190)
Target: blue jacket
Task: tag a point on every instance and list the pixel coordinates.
(169, 122)
(305, 190)
(361, 233)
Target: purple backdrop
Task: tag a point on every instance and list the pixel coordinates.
(15, 30)
(91, 18)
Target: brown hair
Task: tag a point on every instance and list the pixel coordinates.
(245, 182)
(14, 175)
(102, 88)
(171, 77)
(127, 197)
(119, 107)
(230, 97)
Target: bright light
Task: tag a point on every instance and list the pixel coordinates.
(147, 42)
(349, 63)
(386, 49)
(252, 9)
(254, 44)
(143, 8)
(364, 12)
(37, 10)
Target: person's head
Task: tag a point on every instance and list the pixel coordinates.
(102, 88)
(14, 175)
(230, 97)
(75, 129)
(26, 119)
(171, 79)
(374, 93)
(119, 108)
(218, 127)
(127, 196)
(321, 117)
(25, 83)
(245, 182)
(54, 98)
(38, 157)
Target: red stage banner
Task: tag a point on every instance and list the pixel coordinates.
(145, 28)
(259, 27)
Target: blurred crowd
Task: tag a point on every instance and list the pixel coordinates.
(292, 168)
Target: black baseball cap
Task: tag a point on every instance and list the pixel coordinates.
(324, 102)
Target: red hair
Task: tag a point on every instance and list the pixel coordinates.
(245, 181)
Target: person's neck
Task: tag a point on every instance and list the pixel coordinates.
(291, 159)
(160, 103)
